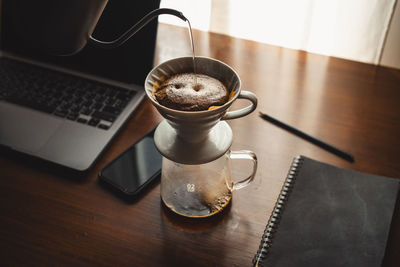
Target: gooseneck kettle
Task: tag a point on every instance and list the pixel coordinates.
(64, 27)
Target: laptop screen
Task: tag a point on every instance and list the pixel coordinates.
(128, 63)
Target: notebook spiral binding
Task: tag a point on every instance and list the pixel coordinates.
(267, 238)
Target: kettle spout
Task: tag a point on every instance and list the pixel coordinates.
(137, 27)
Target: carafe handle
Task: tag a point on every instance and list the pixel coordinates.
(244, 154)
(244, 111)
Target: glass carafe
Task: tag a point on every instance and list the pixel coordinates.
(205, 189)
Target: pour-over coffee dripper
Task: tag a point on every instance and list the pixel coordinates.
(196, 172)
(193, 137)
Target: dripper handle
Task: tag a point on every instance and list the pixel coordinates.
(244, 111)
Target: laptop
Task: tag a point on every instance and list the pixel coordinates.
(66, 109)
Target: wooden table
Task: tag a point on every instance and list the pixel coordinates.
(48, 218)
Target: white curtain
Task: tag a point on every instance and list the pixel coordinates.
(351, 29)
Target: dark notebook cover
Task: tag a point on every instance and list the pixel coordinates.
(328, 216)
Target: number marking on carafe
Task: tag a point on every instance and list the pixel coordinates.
(190, 187)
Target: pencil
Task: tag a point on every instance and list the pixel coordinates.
(309, 138)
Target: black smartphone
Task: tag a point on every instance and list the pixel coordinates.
(135, 168)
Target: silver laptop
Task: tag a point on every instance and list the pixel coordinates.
(67, 109)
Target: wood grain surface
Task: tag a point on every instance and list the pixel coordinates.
(48, 216)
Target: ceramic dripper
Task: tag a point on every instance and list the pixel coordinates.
(197, 136)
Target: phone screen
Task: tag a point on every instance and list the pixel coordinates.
(134, 168)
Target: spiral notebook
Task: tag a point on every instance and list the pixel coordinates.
(328, 216)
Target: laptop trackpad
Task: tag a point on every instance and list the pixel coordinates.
(25, 130)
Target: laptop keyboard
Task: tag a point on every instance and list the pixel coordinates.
(66, 96)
